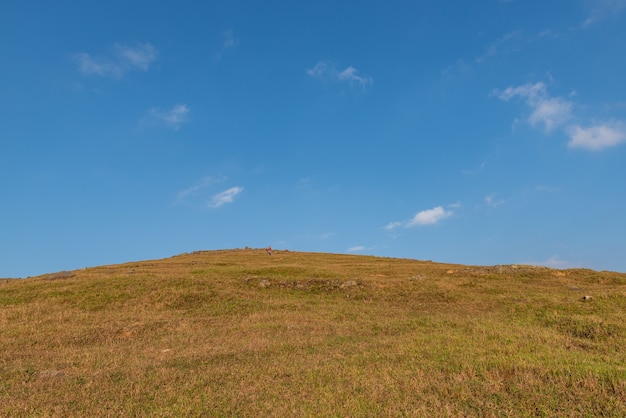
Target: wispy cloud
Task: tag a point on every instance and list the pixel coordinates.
(394, 225)
(228, 42)
(551, 112)
(511, 42)
(356, 249)
(200, 185)
(200, 189)
(171, 118)
(477, 170)
(303, 183)
(120, 60)
(597, 137)
(508, 42)
(227, 196)
(327, 72)
(600, 10)
(493, 201)
(423, 218)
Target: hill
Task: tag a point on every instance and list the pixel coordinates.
(240, 333)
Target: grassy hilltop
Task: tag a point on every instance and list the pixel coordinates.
(238, 333)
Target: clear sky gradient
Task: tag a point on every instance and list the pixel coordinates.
(476, 132)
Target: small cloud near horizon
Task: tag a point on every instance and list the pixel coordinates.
(423, 218)
(356, 249)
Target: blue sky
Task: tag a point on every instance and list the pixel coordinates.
(488, 132)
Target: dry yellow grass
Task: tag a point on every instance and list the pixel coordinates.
(238, 333)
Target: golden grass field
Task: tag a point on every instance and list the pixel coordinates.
(240, 333)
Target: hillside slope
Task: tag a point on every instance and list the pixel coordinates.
(237, 332)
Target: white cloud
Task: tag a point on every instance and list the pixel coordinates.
(351, 74)
(139, 57)
(429, 216)
(89, 65)
(320, 70)
(597, 137)
(176, 115)
(528, 90)
(119, 61)
(171, 118)
(552, 112)
(227, 196)
(393, 225)
(356, 249)
(326, 72)
(425, 217)
(492, 201)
